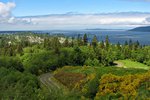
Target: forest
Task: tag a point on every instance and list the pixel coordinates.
(54, 67)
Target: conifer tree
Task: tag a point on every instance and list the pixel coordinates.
(107, 42)
(79, 40)
(119, 46)
(102, 44)
(85, 39)
(126, 43)
(19, 49)
(94, 41)
(56, 45)
(72, 42)
(66, 42)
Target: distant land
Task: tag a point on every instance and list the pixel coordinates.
(141, 29)
(102, 29)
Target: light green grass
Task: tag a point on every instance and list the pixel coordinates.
(132, 64)
(99, 70)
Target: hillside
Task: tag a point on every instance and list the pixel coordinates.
(141, 29)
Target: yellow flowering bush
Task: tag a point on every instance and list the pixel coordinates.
(125, 85)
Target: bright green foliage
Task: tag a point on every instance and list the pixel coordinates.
(13, 63)
(24, 55)
(93, 62)
(19, 86)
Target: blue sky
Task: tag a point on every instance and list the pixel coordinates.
(12, 14)
(42, 7)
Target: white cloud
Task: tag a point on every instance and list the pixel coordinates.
(5, 9)
(6, 15)
(70, 20)
(76, 21)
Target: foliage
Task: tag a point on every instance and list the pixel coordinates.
(11, 63)
(17, 85)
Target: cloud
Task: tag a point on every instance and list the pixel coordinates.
(81, 21)
(5, 9)
(148, 19)
(6, 16)
(77, 21)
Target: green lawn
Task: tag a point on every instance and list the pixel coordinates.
(132, 64)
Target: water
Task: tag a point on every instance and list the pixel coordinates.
(115, 36)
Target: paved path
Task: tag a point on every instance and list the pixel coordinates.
(119, 64)
(47, 80)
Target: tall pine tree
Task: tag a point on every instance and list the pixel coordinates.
(85, 39)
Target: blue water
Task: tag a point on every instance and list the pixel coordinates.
(114, 36)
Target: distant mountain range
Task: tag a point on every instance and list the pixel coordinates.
(141, 29)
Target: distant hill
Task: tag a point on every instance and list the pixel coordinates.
(102, 29)
(141, 29)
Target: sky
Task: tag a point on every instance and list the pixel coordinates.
(73, 14)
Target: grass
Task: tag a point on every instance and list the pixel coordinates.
(132, 64)
(100, 70)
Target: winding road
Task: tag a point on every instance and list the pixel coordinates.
(47, 79)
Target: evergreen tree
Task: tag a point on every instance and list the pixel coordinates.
(56, 45)
(19, 49)
(79, 40)
(10, 52)
(78, 57)
(72, 42)
(107, 42)
(102, 44)
(85, 39)
(94, 41)
(45, 42)
(130, 44)
(126, 43)
(136, 45)
(119, 46)
(66, 42)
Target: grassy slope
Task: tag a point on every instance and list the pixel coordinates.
(101, 70)
(132, 64)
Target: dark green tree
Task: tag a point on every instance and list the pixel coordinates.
(107, 42)
(66, 43)
(19, 49)
(56, 45)
(85, 39)
(72, 42)
(130, 44)
(79, 40)
(94, 41)
(102, 44)
(118, 46)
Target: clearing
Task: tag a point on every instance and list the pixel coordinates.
(131, 64)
